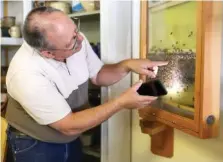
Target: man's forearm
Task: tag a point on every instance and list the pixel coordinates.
(112, 73)
(76, 123)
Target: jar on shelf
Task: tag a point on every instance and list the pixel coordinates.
(97, 4)
(8, 21)
(88, 5)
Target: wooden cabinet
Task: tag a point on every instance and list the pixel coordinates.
(189, 36)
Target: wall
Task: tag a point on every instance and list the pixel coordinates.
(116, 46)
(186, 147)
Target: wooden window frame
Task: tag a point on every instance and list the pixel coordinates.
(207, 80)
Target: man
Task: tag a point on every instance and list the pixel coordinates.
(47, 83)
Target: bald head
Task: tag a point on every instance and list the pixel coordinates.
(52, 33)
(41, 23)
(59, 29)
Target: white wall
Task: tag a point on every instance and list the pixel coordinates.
(186, 147)
(116, 46)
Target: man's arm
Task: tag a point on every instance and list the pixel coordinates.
(76, 123)
(112, 73)
(42, 101)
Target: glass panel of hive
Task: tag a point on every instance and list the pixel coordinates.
(172, 37)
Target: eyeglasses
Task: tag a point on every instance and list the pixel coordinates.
(77, 23)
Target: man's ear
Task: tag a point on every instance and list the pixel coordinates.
(47, 54)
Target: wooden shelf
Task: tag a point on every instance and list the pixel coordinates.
(7, 41)
(81, 14)
(151, 127)
(162, 137)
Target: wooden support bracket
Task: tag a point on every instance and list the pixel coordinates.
(162, 137)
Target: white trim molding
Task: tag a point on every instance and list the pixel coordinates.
(116, 42)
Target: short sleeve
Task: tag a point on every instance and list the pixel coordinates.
(94, 63)
(38, 96)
